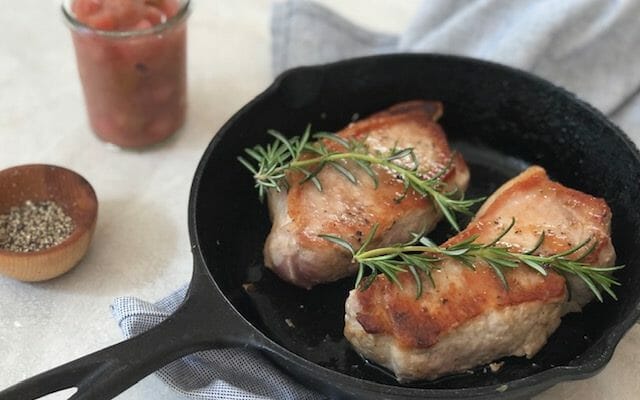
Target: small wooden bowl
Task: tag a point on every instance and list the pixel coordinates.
(39, 182)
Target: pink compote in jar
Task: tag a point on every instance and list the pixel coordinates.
(132, 63)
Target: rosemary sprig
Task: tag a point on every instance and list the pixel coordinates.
(269, 165)
(421, 255)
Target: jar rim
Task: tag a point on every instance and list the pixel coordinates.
(75, 24)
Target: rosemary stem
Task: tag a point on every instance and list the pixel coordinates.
(298, 164)
(420, 255)
(383, 251)
(347, 156)
(330, 157)
(414, 178)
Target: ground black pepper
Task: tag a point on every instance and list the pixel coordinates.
(34, 226)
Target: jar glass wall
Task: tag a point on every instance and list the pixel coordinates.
(133, 79)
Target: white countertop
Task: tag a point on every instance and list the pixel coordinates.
(141, 244)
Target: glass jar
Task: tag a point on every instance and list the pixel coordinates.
(134, 80)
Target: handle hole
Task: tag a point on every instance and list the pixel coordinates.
(63, 394)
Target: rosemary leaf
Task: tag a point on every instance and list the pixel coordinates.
(339, 241)
(345, 172)
(537, 245)
(501, 235)
(534, 264)
(331, 137)
(418, 280)
(248, 166)
(400, 154)
(366, 167)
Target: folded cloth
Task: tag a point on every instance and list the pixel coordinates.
(590, 47)
(214, 374)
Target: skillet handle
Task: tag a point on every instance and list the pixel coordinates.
(108, 372)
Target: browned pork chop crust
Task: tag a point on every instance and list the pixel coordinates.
(293, 249)
(469, 318)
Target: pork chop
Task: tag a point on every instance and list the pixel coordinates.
(469, 318)
(293, 249)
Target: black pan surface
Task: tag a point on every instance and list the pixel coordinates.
(310, 323)
(500, 119)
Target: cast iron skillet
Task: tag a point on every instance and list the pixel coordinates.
(501, 119)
